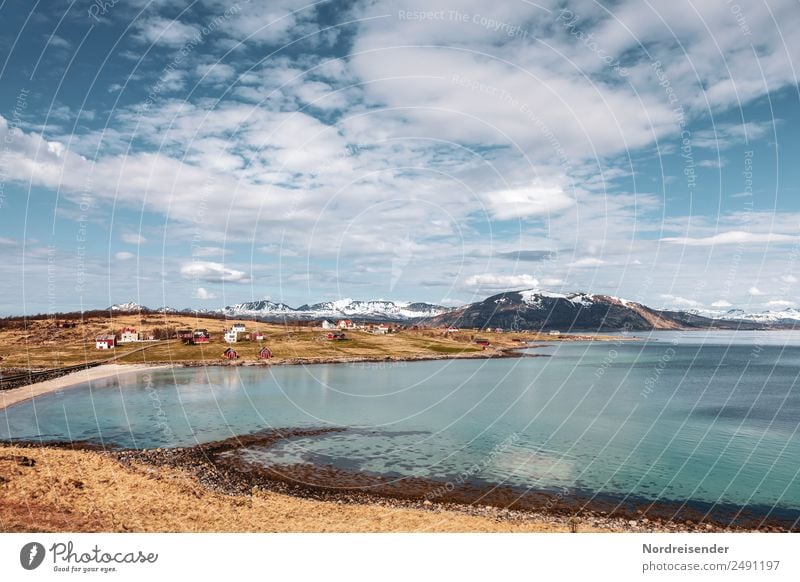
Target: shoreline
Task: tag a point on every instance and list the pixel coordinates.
(23, 393)
(13, 396)
(219, 468)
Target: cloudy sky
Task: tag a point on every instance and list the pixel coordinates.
(207, 153)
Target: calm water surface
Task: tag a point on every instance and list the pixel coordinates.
(709, 417)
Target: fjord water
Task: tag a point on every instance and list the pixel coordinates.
(709, 417)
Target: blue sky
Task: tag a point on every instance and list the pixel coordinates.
(200, 154)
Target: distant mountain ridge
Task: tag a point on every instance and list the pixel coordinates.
(341, 309)
(529, 309)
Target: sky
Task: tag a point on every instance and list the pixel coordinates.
(206, 153)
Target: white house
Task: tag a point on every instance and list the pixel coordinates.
(105, 342)
(328, 325)
(345, 324)
(128, 335)
(555, 332)
(232, 335)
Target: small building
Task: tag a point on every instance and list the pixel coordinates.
(335, 335)
(482, 341)
(257, 336)
(265, 353)
(554, 332)
(236, 333)
(345, 324)
(105, 342)
(201, 336)
(128, 335)
(451, 329)
(382, 329)
(230, 354)
(328, 325)
(184, 334)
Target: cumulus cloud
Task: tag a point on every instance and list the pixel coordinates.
(200, 251)
(213, 273)
(677, 301)
(587, 262)
(203, 293)
(159, 30)
(492, 282)
(731, 238)
(754, 291)
(789, 278)
(526, 202)
(722, 304)
(780, 304)
(132, 238)
(124, 256)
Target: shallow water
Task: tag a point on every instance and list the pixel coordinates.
(679, 416)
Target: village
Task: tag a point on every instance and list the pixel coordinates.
(235, 334)
(44, 343)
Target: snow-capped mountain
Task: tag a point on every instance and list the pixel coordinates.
(263, 307)
(129, 306)
(342, 308)
(538, 309)
(788, 316)
(532, 309)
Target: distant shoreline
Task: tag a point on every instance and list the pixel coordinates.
(13, 396)
(17, 395)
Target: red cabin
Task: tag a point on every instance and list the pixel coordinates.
(230, 354)
(265, 353)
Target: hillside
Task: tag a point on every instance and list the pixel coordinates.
(540, 310)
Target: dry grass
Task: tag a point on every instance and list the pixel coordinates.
(84, 491)
(41, 345)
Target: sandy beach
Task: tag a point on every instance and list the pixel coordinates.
(23, 393)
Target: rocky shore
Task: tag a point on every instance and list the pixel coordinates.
(220, 467)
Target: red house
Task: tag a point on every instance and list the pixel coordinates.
(345, 324)
(335, 335)
(201, 336)
(265, 353)
(230, 354)
(184, 334)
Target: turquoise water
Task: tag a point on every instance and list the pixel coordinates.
(712, 417)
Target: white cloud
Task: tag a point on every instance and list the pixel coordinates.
(526, 202)
(780, 304)
(587, 262)
(158, 30)
(754, 291)
(678, 301)
(132, 238)
(500, 282)
(789, 278)
(722, 304)
(202, 293)
(213, 273)
(124, 256)
(732, 237)
(447, 302)
(210, 251)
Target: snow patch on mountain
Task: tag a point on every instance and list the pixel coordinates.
(129, 306)
(788, 315)
(341, 308)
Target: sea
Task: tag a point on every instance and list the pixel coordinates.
(704, 419)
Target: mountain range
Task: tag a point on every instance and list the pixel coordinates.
(530, 309)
